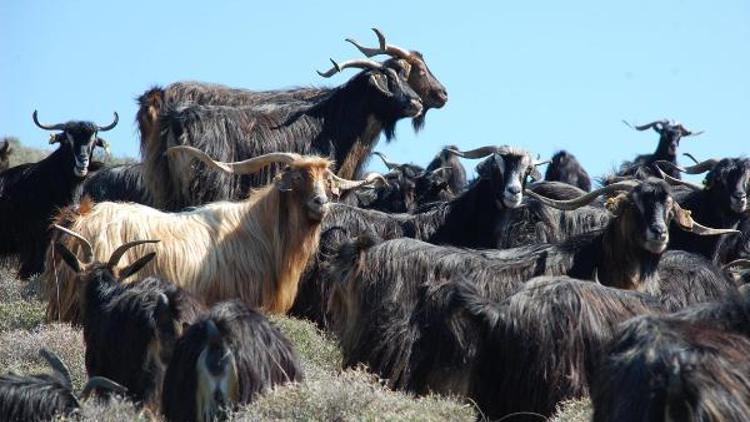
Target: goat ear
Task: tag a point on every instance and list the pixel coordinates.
(682, 217)
(616, 204)
(163, 313)
(380, 82)
(136, 266)
(68, 256)
(55, 138)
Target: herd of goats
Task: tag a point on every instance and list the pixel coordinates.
(513, 290)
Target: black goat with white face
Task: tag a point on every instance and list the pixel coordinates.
(721, 202)
(225, 359)
(565, 168)
(670, 134)
(129, 329)
(44, 397)
(31, 193)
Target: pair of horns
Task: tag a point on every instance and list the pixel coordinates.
(698, 168)
(61, 126)
(487, 150)
(682, 217)
(660, 125)
(392, 165)
(59, 367)
(383, 48)
(88, 251)
(255, 164)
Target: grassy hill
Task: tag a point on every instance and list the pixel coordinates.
(22, 154)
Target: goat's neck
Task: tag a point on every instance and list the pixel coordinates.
(623, 263)
(288, 235)
(662, 152)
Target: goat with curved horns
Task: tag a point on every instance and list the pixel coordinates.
(253, 249)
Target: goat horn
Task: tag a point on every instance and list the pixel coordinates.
(248, 166)
(57, 365)
(690, 156)
(88, 251)
(480, 152)
(698, 168)
(109, 126)
(571, 204)
(441, 169)
(59, 126)
(741, 263)
(345, 184)
(541, 162)
(685, 221)
(646, 126)
(384, 48)
(390, 164)
(676, 182)
(120, 251)
(355, 63)
(104, 383)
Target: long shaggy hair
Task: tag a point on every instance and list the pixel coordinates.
(226, 359)
(35, 397)
(343, 123)
(543, 341)
(665, 368)
(254, 250)
(566, 168)
(123, 183)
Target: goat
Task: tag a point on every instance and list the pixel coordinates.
(720, 202)
(670, 134)
(253, 249)
(566, 168)
(5, 151)
(539, 346)
(223, 360)
(343, 123)
(31, 193)
(46, 397)
(446, 159)
(123, 183)
(669, 368)
(130, 330)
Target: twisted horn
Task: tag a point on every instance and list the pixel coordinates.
(384, 48)
(647, 126)
(104, 383)
(59, 126)
(345, 184)
(57, 365)
(571, 204)
(355, 63)
(120, 251)
(685, 222)
(88, 252)
(698, 168)
(390, 164)
(109, 126)
(480, 152)
(676, 182)
(248, 166)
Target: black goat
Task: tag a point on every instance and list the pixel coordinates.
(5, 151)
(670, 134)
(45, 397)
(565, 168)
(457, 174)
(343, 123)
(31, 193)
(223, 360)
(123, 183)
(129, 329)
(721, 202)
(671, 368)
(540, 344)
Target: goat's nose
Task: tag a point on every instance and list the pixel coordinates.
(442, 95)
(514, 190)
(320, 200)
(740, 195)
(660, 231)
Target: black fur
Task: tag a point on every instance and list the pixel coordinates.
(123, 183)
(35, 397)
(30, 194)
(264, 358)
(566, 168)
(5, 151)
(645, 165)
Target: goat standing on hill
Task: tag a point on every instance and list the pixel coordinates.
(31, 193)
(253, 249)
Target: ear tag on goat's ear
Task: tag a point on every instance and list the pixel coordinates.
(683, 217)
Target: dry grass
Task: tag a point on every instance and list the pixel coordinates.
(22, 154)
(573, 411)
(326, 394)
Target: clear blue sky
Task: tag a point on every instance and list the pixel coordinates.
(542, 75)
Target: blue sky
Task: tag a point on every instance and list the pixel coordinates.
(542, 75)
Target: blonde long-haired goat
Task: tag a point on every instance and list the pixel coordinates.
(254, 249)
